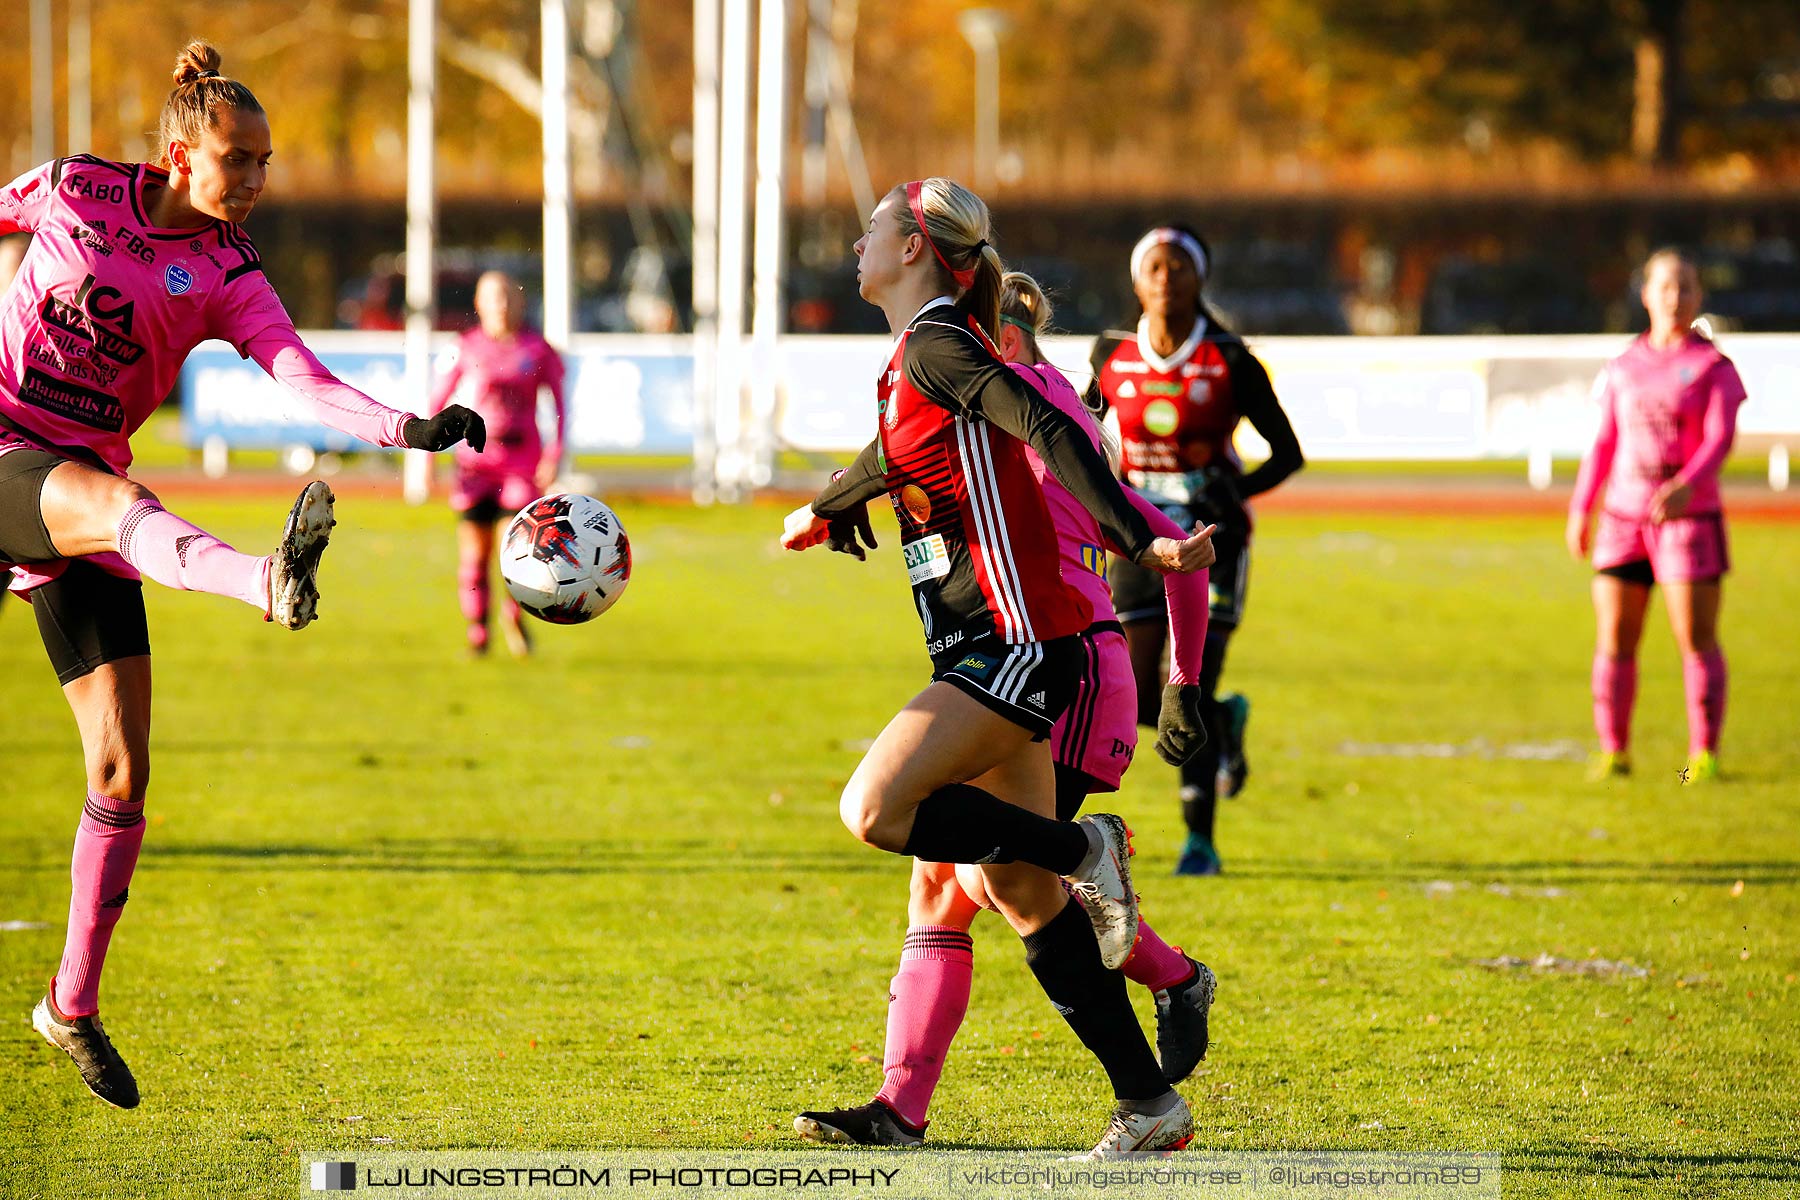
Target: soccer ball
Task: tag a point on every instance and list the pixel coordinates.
(565, 559)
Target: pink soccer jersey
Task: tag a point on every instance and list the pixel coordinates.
(1083, 548)
(1664, 414)
(106, 307)
(504, 375)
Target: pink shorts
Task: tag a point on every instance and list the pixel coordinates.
(490, 495)
(1686, 550)
(1098, 732)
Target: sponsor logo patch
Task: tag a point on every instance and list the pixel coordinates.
(1161, 417)
(927, 558)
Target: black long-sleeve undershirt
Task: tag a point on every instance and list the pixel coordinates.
(946, 363)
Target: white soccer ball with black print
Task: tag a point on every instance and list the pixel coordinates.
(565, 558)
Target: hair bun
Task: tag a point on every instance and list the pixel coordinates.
(198, 60)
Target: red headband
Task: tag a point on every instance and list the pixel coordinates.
(964, 278)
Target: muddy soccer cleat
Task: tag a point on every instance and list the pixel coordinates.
(1181, 1014)
(871, 1124)
(293, 571)
(84, 1040)
(1142, 1133)
(1103, 886)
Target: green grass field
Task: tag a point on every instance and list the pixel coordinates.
(391, 897)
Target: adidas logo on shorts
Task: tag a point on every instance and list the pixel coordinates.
(1036, 701)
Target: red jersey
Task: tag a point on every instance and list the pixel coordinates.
(1176, 414)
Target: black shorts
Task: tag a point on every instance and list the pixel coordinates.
(1029, 684)
(1138, 591)
(23, 538)
(89, 618)
(1638, 571)
(485, 511)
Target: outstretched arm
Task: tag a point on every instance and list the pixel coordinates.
(947, 364)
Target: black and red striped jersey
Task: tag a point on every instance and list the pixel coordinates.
(1176, 416)
(977, 540)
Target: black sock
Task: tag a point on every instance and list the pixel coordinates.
(963, 824)
(1199, 786)
(1066, 960)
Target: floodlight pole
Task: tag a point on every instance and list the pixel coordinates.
(981, 28)
(43, 85)
(771, 155)
(706, 247)
(559, 293)
(734, 123)
(81, 78)
(421, 228)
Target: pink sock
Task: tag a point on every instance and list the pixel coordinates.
(472, 589)
(929, 1000)
(1704, 677)
(1154, 963)
(179, 555)
(106, 852)
(1615, 691)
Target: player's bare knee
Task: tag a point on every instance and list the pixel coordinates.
(864, 814)
(123, 775)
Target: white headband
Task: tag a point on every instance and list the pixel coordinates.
(1165, 236)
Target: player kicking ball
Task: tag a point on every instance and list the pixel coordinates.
(137, 265)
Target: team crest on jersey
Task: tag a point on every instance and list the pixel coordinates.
(178, 279)
(1199, 390)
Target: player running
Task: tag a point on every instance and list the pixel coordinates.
(133, 266)
(505, 365)
(1668, 413)
(1175, 389)
(1092, 742)
(962, 774)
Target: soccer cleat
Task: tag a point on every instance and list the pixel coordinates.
(1141, 1133)
(1702, 768)
(84, 1040)
(871, 1124)
(1181, 1013)
(1104, 890)
(1198, 858)
(1608, 764)
(1234, 768)
(293, 571)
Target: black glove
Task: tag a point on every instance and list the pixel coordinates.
(455, 424)
(1180, 731)
(841, 534)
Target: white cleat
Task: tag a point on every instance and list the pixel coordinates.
(1141, 1133)
(1104, 890)
(293, 571)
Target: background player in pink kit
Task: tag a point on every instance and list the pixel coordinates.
(504, 364)
(1093, 743)
(135, 265)
(1668, 413)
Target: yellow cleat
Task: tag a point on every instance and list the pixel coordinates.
(1702, 768)
(1608, 764)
